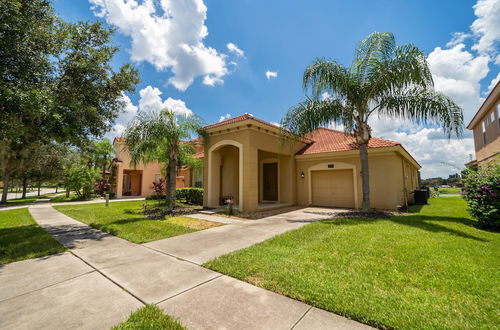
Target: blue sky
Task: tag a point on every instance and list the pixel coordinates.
(283, 37)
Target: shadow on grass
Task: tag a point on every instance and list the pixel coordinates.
(22, 242)
(416, 221)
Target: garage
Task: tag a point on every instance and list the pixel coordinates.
(333, 188)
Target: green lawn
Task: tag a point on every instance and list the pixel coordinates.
(62, 198)
(21, 238)
(23, 201)
(451, 190)
(124, 219)
(149, 317)
(428, 269)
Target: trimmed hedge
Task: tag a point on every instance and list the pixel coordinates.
(189, 195)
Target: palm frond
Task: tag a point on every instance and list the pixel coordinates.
(327, 76)
(426, 106)
(378, 47)
(313, 113)
(406, 69)
(152, 135)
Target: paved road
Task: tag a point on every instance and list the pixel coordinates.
(103, 278)
(43, 191)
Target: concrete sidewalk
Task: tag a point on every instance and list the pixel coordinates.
(103, 278)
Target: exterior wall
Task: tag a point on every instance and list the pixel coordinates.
(149, 172)
(250, 140)
(387, 181)
(183, 178)
(486, 151)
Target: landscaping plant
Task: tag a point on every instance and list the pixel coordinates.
(190, 195)
(383, 80)
(482, 192)
(158, 136)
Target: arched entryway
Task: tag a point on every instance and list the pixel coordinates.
(225, 173)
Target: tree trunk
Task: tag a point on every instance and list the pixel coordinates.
(172, 171)
(25, 187)
(365, 176)
(6, 178)
(39, 185)
(57, 187)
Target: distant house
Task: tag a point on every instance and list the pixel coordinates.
(244, 161)
(486, 129)
(138, 180)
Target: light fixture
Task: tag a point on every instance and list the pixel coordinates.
(302, 175)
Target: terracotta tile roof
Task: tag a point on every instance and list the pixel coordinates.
(200, 154)
(240, 118)
(328, 140)
(119, 139)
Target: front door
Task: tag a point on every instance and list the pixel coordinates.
(270, 182)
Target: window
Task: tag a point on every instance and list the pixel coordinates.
(198, 178)
(498, 114)
(484, 131)
(487, 121)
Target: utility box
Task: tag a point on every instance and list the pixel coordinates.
(421, 196)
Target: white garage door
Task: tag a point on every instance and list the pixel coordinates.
(333, 188)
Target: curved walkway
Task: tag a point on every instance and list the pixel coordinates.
(103, 278)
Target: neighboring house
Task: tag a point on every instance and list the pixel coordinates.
(138, 180)
(486, 129)
(245, 161)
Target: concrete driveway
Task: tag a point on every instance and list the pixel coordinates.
(103, 278)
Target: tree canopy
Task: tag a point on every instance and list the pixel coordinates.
(56, 80)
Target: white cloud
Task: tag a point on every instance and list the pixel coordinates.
(458, 38)
(487, 26)
(493, 82)
(225, 117)
(430, 148)
(271, 74)
(325, 96)
(150, 100)
(119, 129)
(234, 49)
(169, 35)
(457, 73)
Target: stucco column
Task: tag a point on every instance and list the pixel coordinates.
(250, 179)
(119, 180)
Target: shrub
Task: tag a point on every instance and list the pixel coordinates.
(191, 195)
(155, 197)
(81, 180)
(482, 192)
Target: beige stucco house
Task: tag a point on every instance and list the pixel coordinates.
(138, 180)
(486, 129)
(244, 161)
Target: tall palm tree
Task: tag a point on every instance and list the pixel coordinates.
(385, 80)
(156, 136)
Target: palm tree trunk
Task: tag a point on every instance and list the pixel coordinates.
(172, 171)
(365, 176)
